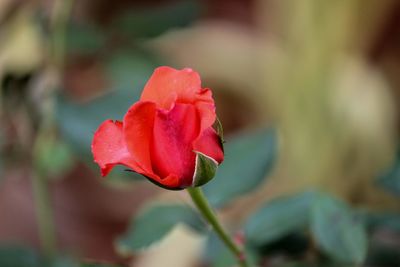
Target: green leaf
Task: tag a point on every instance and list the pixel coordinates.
(293, 245)
(153, 21)
(248, 159)
(390, 180)
(18, 256)
(64, 261)
(338, 231)
(206, 168)
(84, 38)
(300, 264)
(388, 221)
(154, 224)
(279, 218)
(129, 70)
(53, 157)
(15, 256)
(97, 265)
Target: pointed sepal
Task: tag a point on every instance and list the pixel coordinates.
(206, 168)
(219, 129)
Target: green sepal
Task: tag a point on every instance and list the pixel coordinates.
(205, 170)
(219, 129)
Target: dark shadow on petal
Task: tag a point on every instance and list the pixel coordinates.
(157, 183)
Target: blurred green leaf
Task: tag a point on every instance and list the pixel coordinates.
(313, 264)
(302, 264)
(382, 220)
(248, 159)
(293, 245)
(84, 38)
(390, 180)
(53, 157)
(97, 265)
(64, 261)
(338, 231)
(279, 218)
(217, 255)
(153, 21)
(129, 70)
(155, 223)
(15, 256)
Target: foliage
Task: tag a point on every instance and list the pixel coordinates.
(154, 224)
(279, 218)
(249, 158)
(153, 22)
(18, 256)
(338, 231)
(84, 38)
(390, 180)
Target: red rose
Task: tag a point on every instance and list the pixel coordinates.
(167, 135)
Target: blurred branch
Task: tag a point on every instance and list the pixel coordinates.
(61, 13)
(58, 24)
(44, 213)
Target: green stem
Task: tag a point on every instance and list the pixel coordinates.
(44, 213)
(205, 209)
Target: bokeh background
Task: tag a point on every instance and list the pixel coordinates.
(322, 77)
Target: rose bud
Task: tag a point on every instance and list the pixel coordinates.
(168, 135)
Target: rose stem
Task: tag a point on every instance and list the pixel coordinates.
(207, 212)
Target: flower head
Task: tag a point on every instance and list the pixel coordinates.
(167, 135)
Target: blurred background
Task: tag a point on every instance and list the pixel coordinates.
(322, 77)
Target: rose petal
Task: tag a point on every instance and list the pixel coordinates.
(209, 144)
(174, 133)
(109, 148)
(167, 85)
(206, 107)
(138, 132)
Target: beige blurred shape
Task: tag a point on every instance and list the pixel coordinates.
(22, 46)
(182, 247)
